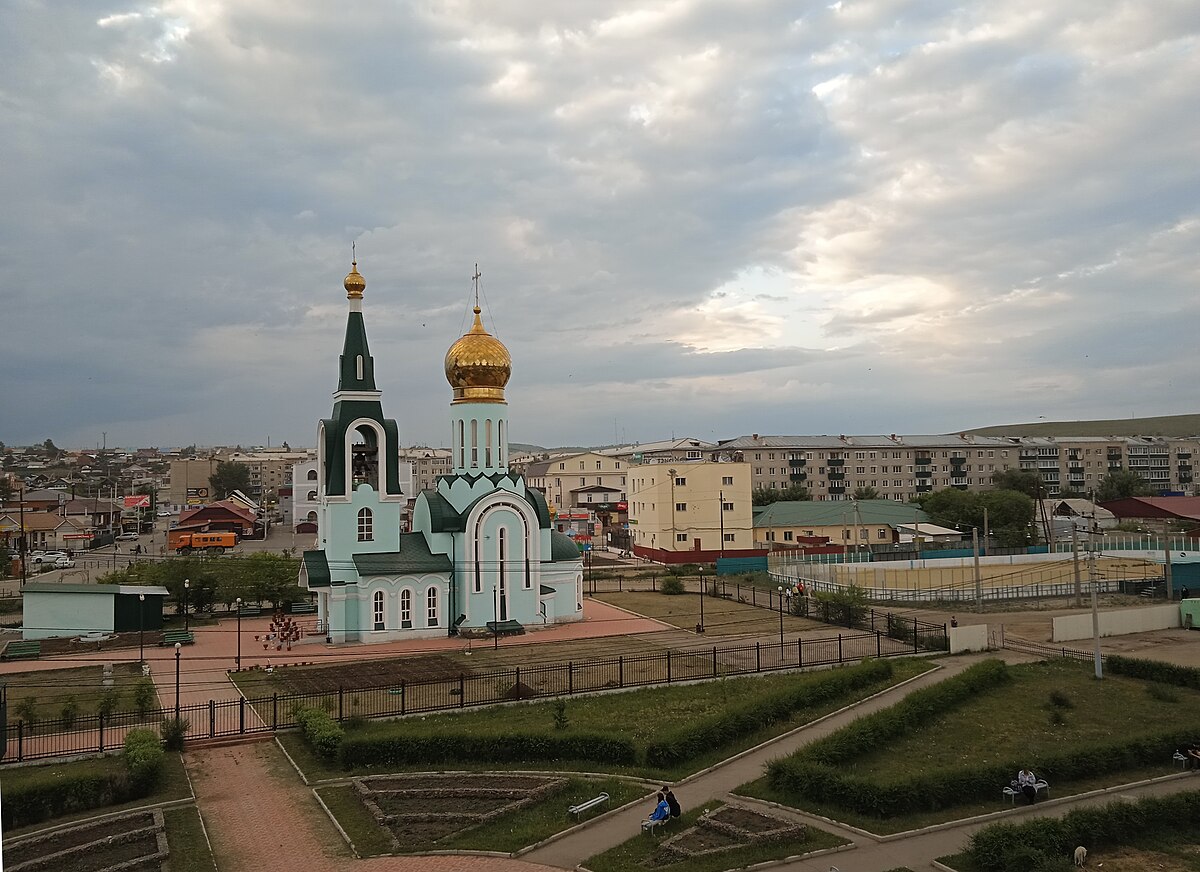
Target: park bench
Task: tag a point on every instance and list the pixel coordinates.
(1180, 760)
(25, 650)
(505, 628)
(1013, 792)
(303, 608)
(649, 826)
(576, 810)
(249, 611)
(183, 637)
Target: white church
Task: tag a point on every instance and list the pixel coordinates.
(481, 555)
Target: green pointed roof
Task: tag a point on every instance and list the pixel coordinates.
(355, 345)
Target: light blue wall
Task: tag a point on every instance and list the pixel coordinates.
(47, 615)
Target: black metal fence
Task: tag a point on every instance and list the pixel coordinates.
(1041, 650)
(242, 716)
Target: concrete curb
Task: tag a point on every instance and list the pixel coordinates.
(337, 826)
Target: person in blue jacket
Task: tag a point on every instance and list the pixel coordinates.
(662, 811)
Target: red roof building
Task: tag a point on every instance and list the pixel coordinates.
(1176, 508)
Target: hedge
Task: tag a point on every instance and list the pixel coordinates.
(143, 758)
(364, 750)
(1154, 670)
(320, 730)
(1049, 842)
(691, 741)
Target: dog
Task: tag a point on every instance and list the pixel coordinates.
(1080, 855)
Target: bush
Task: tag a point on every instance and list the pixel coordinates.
(560, 714)
(27, 711)
(847, 607)
(394, 746)
(143, 758)
(51, 795)
(174, 733)
(68, 713)
(107, 704)
(706, 734)
(321, 731)
(672, 586)
(1059, 700)
(1161, 692)
(144, 696)
(1154, 670)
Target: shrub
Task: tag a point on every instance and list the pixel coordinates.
(672, 586)
(53, 795)
(107, 704)
(1161, 692)
(394, 745)
(174, 733)
(27, 711)
(68, 712)
(1154, 670)
(560, 714)
(1059, 700)
(144, 696)
(321, 731)
(143, 758)
(846, 607)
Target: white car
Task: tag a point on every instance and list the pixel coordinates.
(40, 557)
(64, 562)
(164, 514)
(127, 537)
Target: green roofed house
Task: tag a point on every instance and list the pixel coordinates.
(52, 609)
(851, 523)
(481, 552)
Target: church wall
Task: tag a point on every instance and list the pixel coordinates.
(340, 536)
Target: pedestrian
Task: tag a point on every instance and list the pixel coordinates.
(1027, 784)
(672, 802)
(1183, 593)
(953, 621)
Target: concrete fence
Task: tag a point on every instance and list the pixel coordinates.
(1116, 623)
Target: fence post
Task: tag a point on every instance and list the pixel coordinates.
(403, 695)
(621, 583)
(714, 661)
(212, 718)
(100, 718)
(341, 701)
(878, 644)
(275, 711)
(668, 666)
(621, 671)
(570, 677)
(20, 740)
(758, 657)
(799, 651)
(839, 647)
(242, 715)
(517, 682)
(916, 638)
(462, 691)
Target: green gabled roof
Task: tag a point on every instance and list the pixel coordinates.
(356, 344)
(827, 514)
(538, 500)
(562, 547)
(545, 589)
(442, 516)
(414, 557)
(317, 569)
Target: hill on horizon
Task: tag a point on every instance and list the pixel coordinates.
(1164, 425)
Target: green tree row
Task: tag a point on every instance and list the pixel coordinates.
(263, 577)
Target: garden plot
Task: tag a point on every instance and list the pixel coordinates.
(133, 843)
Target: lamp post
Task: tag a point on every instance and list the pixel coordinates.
(781, 622)
(495, 617)
(187, 583)
(700, 629)
(178, 649)
(239, 634)
(142, 628)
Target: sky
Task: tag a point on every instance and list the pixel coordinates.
(700, 218)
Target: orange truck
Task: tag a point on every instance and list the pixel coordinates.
(185, 541)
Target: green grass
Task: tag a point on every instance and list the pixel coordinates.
(637, 853)
(510, 832)
(173, 784)
(48, 690)
(185, 840)
(1164, 425)
(640, 715)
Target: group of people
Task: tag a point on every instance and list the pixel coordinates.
(1026, 783)
(667, 806)
(1191, 755)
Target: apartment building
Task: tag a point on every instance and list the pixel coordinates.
(269, 471)
(681, 509)
(428, 464)
(664, 451)
(586, 480)
(902, 467)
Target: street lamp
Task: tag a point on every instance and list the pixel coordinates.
(187, 583)
(178, 649)
(142, 628)
(781, 622)
(239, 634)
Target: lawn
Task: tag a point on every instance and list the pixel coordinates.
(641, 852)
(186, 842)
(1047, 707)
(722, 617)
(509, 832)
(173, 784)
(641, 716)
(44, 694)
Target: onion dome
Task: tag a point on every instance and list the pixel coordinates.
(478, 366)
(355, 284)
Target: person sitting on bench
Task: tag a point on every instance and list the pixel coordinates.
(1027, 783)
(1191, 755)
(661, 812)
(672, 802)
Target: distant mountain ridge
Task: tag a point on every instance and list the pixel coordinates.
(1165, 425)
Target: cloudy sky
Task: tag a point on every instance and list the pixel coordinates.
(693, 217)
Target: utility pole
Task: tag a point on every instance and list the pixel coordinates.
(721, 513)
(987, 535)
(1095, 607)
(1075, 559)
(1167, 562)
(978, 580)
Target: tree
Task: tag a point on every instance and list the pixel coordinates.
(1010, 514)
(6, 489)
(764, 496)
(228, 477)
(866, 493)
(1028, 483)
(951, 507)
(1122, 484)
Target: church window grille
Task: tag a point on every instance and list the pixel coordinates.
(377, 602)
(406, 609)
(366, 525)
(431, 611)
(358, 367)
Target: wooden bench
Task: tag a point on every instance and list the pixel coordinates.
(649, 826)
(1179, 759)
(183, 637)
(1013, 792)
(505, 628)
(24, 650)
(249, 611)
(303, 608)
(576, 810)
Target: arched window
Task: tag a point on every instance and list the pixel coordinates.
(502, 446)
(358, 367)
(487, 450)
(462, 446)
(431, 612)
(312, 475)
(377, 602)
(474, 444)
(366, 522)
(406, 609)
(312, 496)
(311, 517)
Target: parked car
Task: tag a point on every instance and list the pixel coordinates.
(164, 514)
(64, 563)
(39, 557)
(126, 537)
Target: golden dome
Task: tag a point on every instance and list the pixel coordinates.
(478, 366)
(355, 284)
